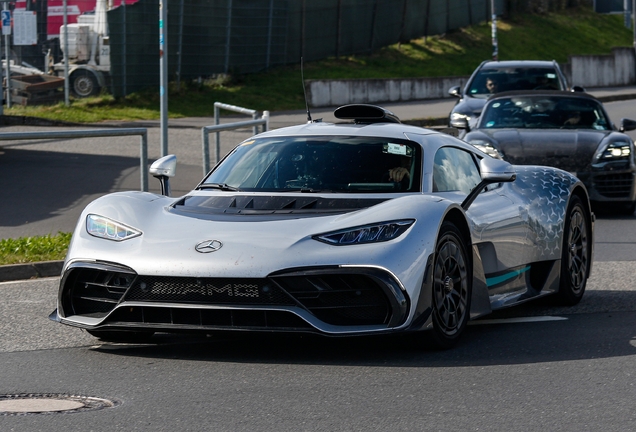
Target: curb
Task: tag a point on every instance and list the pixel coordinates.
(14, 272)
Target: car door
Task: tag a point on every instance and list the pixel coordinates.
(498, 225)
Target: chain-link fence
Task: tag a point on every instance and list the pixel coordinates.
(114, 44)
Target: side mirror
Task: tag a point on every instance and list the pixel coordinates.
(460, 123)
(578, 89)
(627, 125)
(496, 171)
(454, 91)
(163, 169)
(492, 171)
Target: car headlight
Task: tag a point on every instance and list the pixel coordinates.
(103, 227)
(487, 148)
(380, 232)
(614, 151)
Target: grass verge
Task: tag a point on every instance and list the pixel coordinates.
(34, 249)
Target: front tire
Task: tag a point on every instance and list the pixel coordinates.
(84, 84)
(575, 254)
(452, 287)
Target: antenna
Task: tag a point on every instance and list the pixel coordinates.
(302, 77)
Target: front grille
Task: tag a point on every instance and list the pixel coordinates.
(94, 292)
(207, 291)
(197, 318)
(614, 185)
(340, 299)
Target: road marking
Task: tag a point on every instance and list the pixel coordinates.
(518, 320)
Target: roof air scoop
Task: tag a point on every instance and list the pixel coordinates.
(362, 113)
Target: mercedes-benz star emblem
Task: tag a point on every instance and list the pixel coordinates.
(208, 246)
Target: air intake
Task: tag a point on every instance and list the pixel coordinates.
(362, 113)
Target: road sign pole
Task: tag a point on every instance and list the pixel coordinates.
(6, 31)
(163, 73)
(495, 45)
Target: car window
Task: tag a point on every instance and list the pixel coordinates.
(544, 112)
(454, 169)
(494, 80)
(325, 163)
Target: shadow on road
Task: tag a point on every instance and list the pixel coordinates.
(579, 337)
(41, 184)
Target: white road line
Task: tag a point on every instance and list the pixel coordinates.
(518, 320)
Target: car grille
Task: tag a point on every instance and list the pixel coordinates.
(349, 299)
(340, 299)
(614, 185)
(207, 291)
(199, 318)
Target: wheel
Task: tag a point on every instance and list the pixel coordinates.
(84, 84)
(452, 286)
(121, 335)
(575, 254)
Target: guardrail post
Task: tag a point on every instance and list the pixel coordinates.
(205, 130)
(92, 133)
(143, 161)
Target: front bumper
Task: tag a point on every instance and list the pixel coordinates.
(329, 300)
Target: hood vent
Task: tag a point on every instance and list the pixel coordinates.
(199, 206)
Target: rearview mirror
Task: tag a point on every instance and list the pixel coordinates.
(454, 91)
(162, 169)
(492, 171)
(627, 125)
(496, 170)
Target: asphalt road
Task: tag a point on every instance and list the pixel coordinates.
(560, 369)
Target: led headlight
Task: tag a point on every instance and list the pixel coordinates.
(109, 229)
(380, 232)
(615, 151)
(487, 148)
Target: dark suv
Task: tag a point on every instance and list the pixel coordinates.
(497, 76)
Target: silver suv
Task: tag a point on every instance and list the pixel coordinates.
(497, 76)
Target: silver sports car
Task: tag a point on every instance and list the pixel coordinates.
(362, 227)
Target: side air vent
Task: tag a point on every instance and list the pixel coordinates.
(362, 113)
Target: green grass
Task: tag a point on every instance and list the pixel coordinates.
(546, 36)
(34, 249)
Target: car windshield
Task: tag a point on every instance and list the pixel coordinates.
(494, 80)
(544, 112)
(319, 164)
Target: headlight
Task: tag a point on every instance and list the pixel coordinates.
(487, 148)
(615, 151)
(381, 232)
(109, 229)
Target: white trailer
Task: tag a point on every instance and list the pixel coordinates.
(88, 52)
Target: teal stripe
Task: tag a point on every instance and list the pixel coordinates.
(499, 279)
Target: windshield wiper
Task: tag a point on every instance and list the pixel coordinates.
(303, 190)
(222, 186)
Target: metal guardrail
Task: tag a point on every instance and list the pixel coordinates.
(206, 130)
(92, 133)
